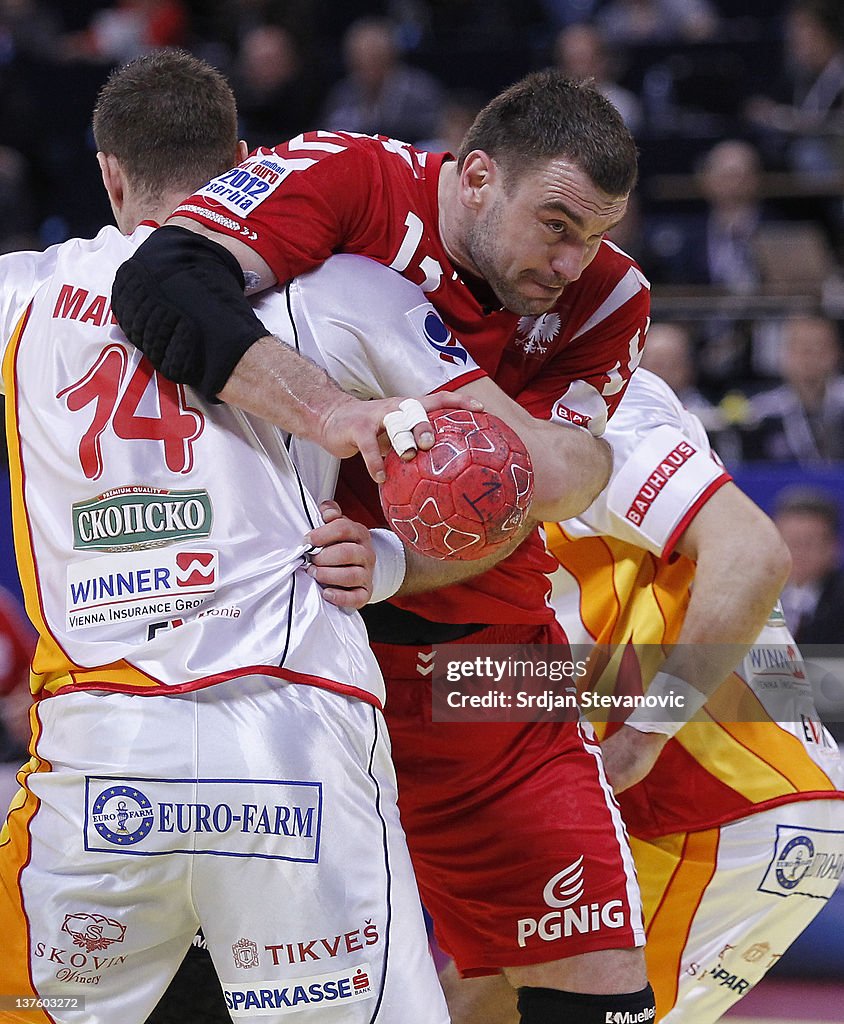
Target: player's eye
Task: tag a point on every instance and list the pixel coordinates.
(559, 227)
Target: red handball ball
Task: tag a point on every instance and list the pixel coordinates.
(465, 496)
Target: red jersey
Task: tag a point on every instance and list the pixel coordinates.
(329, 192)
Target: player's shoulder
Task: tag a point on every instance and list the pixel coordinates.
(28, 274)
(650, 390)
(611, 274)
(612, 281)
(91, 259)
(319, 140)
(613, 263)
(648, 402)
(24, 263)
(315, 146)
(22, 274)
(107, 240)
(345, 164)
(363, 281)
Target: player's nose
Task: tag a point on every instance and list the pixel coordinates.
(569, 262)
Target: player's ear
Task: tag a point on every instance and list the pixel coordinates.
(478, 170)
(113, 181)
(242, 151)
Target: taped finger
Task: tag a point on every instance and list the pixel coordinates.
(399, 424)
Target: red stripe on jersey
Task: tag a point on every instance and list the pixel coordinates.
(163, 690)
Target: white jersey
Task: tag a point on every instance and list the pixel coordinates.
(160, 537)
(664, 471)
(375, 334)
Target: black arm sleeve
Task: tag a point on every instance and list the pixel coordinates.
(180, 300)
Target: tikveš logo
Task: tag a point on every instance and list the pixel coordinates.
(245, 953)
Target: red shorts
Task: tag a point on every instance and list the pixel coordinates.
(518, 845)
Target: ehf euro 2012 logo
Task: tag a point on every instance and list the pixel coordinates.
(122, 815)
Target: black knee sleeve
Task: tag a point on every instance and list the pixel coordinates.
(552, 1006)
(180, 300)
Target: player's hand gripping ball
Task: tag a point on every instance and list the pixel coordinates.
(465, 496)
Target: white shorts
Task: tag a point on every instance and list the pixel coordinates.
(263, 812)
(723, 905)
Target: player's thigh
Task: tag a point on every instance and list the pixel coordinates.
(84, 917)
(736, 899)
(525, 868)
(321, 910)
(600, 972)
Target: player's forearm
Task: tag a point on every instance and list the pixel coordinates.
(571, 468)
(423, 573)
(742, 565)
(274, 382)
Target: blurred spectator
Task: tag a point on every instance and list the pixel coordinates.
(459, 110)
(276, 95)
(655, 21)
(580, 52)
(17, 214)
(730, 181)
(128, 29)
(813, 599)
(29, 29)
(807, 124)
(802, 420)
(381, 95)
(488, 22)
(17, 643)
(717, 246)
(569, 12)
(631, 234)
(670, 354)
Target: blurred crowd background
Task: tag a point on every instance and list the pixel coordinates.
(737, 107)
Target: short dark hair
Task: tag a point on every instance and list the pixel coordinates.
(802, 499)
(170, 119)
(547, 115)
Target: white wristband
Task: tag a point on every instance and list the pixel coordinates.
(390, 565)
(670, 702)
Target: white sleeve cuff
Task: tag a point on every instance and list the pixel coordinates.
(390, 565)
(670, 702)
